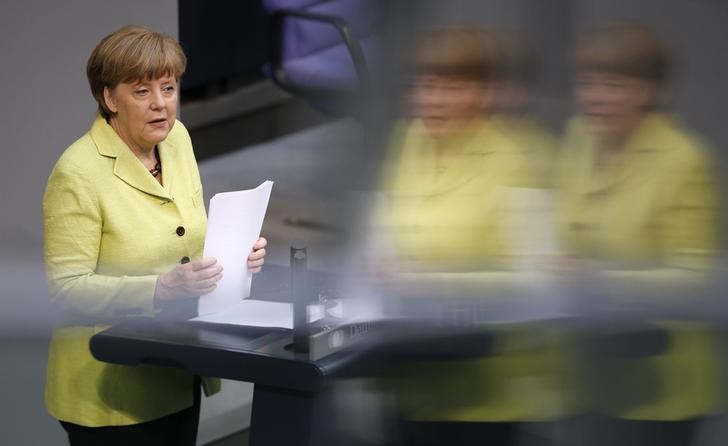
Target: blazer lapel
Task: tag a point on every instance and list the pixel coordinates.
(130, 170)
(126, 167)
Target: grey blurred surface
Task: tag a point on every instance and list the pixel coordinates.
(46, 106)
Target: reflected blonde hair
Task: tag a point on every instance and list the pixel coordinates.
(463, 51)
(623, 48)
(132, 53)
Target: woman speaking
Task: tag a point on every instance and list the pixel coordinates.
(124, 231)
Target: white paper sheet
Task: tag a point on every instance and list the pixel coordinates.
(259, 313)
(233, 225)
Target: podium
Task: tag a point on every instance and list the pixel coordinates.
(291, 403)
(289, 394)
(289, 398)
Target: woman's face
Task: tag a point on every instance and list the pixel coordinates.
(144, 111)
(613, 104)
(445, 103)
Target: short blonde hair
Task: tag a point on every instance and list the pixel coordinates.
(623, 48)
(464, 51)
(132, 53)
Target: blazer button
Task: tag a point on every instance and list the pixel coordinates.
(180, 231)
(184, 260)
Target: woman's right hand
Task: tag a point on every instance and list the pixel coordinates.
(191, 279)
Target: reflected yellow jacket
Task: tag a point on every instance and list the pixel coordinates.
(110, 230)
(446, 196)
(650, 220)
(448, 213)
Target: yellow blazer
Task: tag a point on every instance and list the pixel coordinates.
(650, 219)
(447, 219)
(110, 230)
(446, 196)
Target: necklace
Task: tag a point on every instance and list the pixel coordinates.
(157, 167)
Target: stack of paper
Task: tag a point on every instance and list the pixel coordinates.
(234, 223)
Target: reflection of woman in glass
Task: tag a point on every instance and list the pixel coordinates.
(447, 181)
(636, 196)
(447, 163)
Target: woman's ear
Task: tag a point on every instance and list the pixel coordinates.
(109, 100)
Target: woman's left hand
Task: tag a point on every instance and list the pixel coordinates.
(256, 259)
